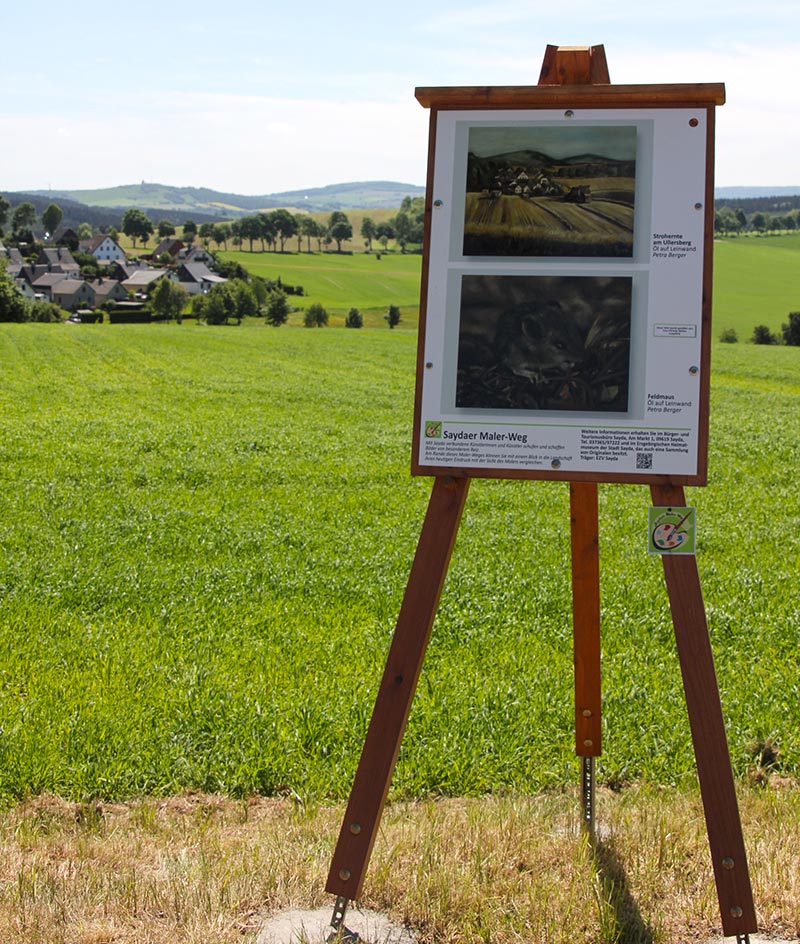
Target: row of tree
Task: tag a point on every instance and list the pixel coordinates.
(730, 221)
(272, 229)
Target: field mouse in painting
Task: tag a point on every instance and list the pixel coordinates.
(537, 340)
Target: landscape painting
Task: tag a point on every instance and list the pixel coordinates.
(549, 190)
(544, 343)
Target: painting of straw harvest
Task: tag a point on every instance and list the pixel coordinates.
(550, 190)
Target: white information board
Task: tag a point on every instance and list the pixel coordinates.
(563, 318)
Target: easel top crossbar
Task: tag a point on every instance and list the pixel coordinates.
(597, 96)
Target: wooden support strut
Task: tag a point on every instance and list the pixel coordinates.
(396, 692)
(717, 789)
(582, 65)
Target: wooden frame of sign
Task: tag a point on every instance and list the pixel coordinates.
(610, 305)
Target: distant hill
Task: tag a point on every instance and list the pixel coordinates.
(160, 200)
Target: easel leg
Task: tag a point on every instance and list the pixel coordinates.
(393, 702)
(708, 735)
(586, 636)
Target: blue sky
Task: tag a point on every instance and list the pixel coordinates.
(261, 97)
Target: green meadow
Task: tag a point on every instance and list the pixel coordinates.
(204, 539)
(756, 281)
(340, 281)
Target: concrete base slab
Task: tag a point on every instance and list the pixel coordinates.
(306, 926)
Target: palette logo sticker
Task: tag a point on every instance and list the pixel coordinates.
(672, 530)
(433, 429)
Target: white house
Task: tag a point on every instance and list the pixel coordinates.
(103, 248)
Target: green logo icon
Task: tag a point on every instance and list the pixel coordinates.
(433, 429)
(672, 530)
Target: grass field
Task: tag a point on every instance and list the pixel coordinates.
(756, 281)
(205, 535)
(342, 281)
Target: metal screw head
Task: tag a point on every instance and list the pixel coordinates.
(694, 370)
(344, 874)
(587, 742)
(698, 206)
(569, 113)
(438, 203)
(355, 828)
(736, 912)
(693, 122)
(556, 463)
(587, 712)
(429, 364)
(727, 863)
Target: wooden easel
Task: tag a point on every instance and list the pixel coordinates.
(561, 66)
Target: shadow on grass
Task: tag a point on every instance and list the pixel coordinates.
(621, 920)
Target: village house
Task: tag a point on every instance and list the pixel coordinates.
(194, 253)
(13, 257)
(108, 290)
(196, 277)
(42, 282)
(65, 236)
(72, 294)
(103, 248)
(124, 270)
(142, 280)
(168, 247)
(58, 259)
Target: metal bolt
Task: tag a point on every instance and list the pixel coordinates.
(694, 370)
(556, 463)
(698, 206)
(587, 742)
(587, 712)
(344, 874)
(727, 863)
(355, 828)
(438, 203)
(569, 113)
(693, 122)
(429, 364)
(736, 912)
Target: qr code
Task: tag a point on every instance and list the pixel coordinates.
(644, 460)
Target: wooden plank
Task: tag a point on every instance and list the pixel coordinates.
(714, 772)
(586, 618)
(423, 297)
(573, 96)
(396, 692)
(708, 273)
(574, 65)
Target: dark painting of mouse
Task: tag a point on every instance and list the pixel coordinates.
(537, 341)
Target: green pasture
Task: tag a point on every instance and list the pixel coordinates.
(756, 281)
(205, 535)
(341, 281)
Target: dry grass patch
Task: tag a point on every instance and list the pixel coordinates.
(205, 869)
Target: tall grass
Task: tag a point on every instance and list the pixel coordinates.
(204, 539)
